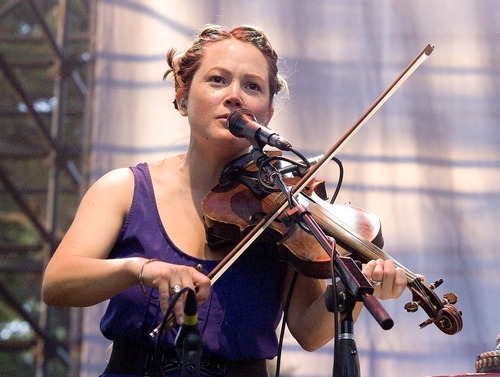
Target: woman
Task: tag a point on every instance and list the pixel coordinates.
(139, 232)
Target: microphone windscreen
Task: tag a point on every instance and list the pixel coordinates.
(234, 124)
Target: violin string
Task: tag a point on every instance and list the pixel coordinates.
(420, 286)
(371, 251)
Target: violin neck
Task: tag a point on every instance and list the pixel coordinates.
(349, 238)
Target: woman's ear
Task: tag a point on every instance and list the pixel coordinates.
(270, 113)
(181, 103)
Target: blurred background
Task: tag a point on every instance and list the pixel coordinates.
(81, 92)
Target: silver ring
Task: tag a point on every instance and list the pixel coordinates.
(175, 289)
(375, 282)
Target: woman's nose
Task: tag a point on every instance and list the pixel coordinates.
(234, 96)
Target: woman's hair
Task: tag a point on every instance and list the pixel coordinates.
(184, 66)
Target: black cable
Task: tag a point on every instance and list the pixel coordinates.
(340, 180)
(283, 322)
(336, 315)
(165, 327)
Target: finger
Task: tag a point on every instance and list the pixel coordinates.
(399, 282)
(394, 281)
(164, 294)
(179, 310)
(168, 289)
(368, 268)
(389, 275)
(202, 285)
(378, 272)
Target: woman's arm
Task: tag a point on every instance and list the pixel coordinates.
(309, 321)
(79, 273)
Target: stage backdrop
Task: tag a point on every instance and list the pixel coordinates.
(427, 163)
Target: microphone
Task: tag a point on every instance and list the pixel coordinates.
(242, 123)
(189, 342)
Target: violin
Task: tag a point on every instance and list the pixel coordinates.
(237, 204)
(239, 211)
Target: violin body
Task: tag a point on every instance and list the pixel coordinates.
(312, 260)
(242, 210)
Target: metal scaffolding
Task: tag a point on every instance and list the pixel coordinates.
(46, 55)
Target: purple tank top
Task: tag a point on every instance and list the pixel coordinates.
(238, 321)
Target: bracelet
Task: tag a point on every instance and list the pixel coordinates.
(141, 276)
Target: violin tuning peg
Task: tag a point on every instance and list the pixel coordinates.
(436, 284)
(426, 323)
(411, 307)
(450, 298)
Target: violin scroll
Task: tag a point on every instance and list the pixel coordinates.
(448, 320)
(442, 313)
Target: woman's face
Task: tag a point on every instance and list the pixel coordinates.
(232, 75)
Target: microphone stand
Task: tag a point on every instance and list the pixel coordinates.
(341, 303)
(340, 299)
(189, 341)
(353, 285)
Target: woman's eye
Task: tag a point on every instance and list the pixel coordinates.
(217, 79)
(254, 86)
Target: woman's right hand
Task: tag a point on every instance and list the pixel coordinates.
(165, 276)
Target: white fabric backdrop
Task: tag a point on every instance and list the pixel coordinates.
(427, 163)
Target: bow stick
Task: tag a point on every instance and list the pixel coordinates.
(238, 250)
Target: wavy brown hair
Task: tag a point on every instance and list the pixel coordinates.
(184, 66)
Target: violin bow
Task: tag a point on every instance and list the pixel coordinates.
(256, 231)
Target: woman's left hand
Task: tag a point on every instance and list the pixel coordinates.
(388, 280)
